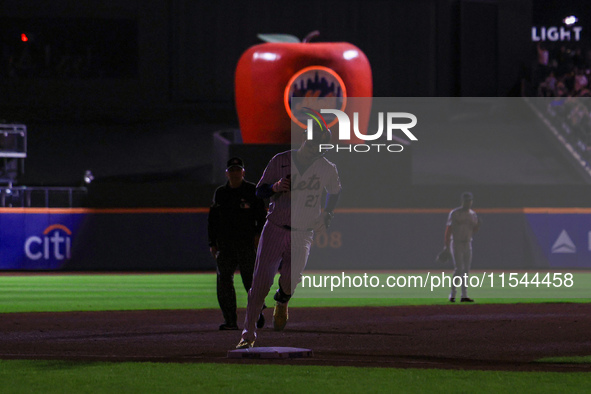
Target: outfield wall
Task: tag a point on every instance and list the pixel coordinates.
(372, 239)
(411, 238)
(105, 239)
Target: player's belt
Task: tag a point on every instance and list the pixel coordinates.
(285, 226)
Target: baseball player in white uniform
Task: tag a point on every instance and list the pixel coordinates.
(462, 224)
(295, 178)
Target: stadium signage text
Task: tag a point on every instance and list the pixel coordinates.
(56, 243)
(554, 33)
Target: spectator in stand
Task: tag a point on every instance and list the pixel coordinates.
(542, 68)
(578, 59)
(548, 87)
(564, 61)
(569, 82)
(581, 81)
(588, 57)
(561, 90)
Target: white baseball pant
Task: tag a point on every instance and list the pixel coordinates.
(280, 249)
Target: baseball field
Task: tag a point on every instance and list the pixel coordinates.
(159, 333)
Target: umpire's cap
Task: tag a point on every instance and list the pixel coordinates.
(234, 162)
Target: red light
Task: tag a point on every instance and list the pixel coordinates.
(24, 37)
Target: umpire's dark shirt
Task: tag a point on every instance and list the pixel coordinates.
(236, 215)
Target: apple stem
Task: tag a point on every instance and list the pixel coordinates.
(311, 35)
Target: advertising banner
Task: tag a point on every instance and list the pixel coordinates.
(377, 240)
(564, 239)
(37, 241)
(117, 240)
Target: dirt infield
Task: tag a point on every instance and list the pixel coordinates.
(499, 337)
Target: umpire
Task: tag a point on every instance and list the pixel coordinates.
(235, 222)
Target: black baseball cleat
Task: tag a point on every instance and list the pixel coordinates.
(466, 299)
(261, 321)
(228, 327)
(452, 299)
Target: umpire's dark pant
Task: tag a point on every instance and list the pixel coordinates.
(231, 257)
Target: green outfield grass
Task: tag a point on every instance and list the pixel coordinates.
(90, 292)
(70, 377)
(51, 293)
(566, 360)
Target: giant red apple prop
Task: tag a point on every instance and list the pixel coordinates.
(268, 75)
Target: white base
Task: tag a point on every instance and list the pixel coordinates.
(271, 352)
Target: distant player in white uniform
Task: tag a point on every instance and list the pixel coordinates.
(462, 224)
(295, 178)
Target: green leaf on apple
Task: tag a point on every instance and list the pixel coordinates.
(278, 38)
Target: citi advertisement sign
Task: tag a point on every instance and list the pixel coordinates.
(55, 243)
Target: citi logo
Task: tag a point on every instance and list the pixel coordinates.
(56, 243)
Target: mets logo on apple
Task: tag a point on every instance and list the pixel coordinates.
(319, 87)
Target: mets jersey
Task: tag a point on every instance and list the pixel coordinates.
(300, 208)
(462, 223)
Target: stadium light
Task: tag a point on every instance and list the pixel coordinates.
(88, 177)
(570, 20)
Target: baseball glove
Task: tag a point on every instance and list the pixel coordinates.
(444, 256)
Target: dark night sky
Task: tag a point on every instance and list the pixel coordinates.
(551, 12)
